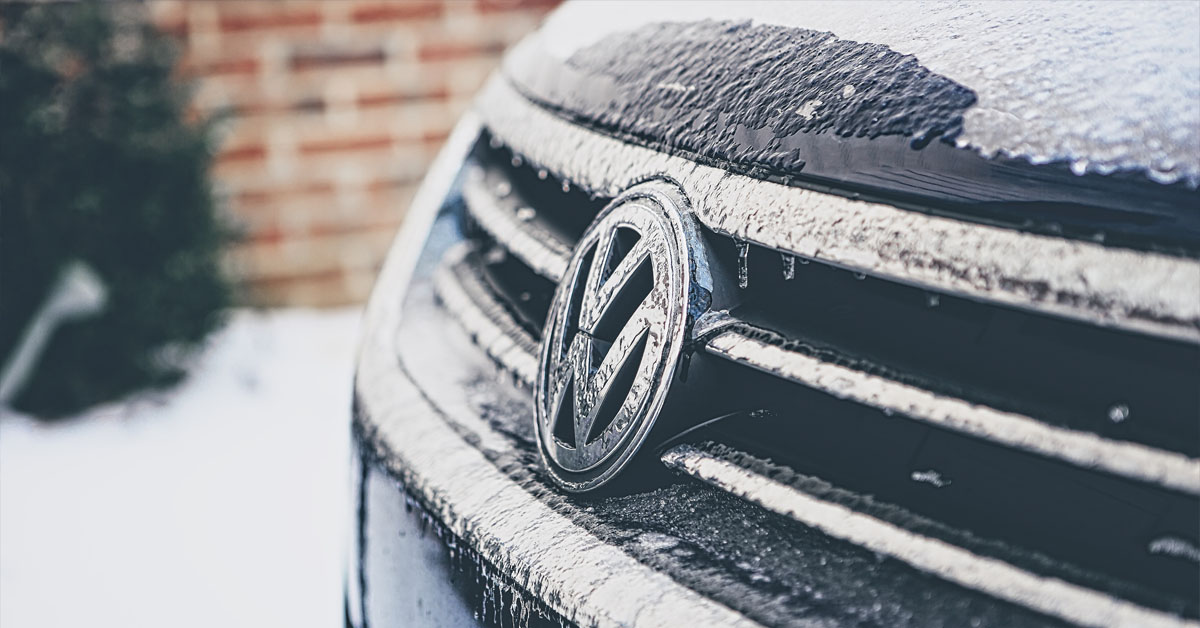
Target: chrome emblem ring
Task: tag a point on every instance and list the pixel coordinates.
(614, 335)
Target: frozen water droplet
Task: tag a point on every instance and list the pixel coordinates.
(495, 142)
(743, 249)
(525, 296)
(803, 261)
(517, 161)
(1174, 546)
(1117, 413)
(566, 186)
(933, 300)
(495, 255)
(789, 267)
(1079, 166)
(503, 189)
(860, 276)
(542, 174)
(931, 477)
(525, 214)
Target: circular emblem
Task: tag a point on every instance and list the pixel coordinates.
(613, 337)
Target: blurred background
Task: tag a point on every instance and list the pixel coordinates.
(195, 198)
(335, 109)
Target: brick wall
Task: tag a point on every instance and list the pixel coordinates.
(335, 109)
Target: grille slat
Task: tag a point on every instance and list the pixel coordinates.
(946, 560)
(1132, 460)
(503, 212)
(483, 315)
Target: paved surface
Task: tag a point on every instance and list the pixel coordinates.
(219, 503)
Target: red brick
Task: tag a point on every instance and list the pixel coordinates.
(269, 233)
(383, 99)
(525, 6)
(449, 51)
(336, 58)
(250, 152)
(434, 138)
(271, 18)
(223, 67)
(395, 11)
(376, 142)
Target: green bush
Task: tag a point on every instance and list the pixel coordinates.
(99, 163)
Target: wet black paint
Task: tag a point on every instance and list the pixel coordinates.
(803, 107)
(753, 88)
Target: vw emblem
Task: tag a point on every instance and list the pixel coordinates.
(614, 335)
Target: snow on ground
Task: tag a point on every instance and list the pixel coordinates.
(223, 502)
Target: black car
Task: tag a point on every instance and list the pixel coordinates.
(798, 315)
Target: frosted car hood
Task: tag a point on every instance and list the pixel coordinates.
(1104, 86)
(1079, 120)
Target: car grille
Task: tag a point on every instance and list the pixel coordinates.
(1059, 446)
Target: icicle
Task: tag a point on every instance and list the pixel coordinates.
(487, 594)
(498, 599)
(743, 249)
(789, 267)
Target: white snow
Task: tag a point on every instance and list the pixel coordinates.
(223, 502)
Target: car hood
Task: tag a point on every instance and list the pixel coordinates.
(1070, 118)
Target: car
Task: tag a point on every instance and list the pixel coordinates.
(797, 315)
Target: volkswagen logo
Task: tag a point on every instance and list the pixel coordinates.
(615, 333)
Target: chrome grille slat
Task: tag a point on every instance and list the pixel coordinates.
(481, 314)
(992, 576)
(1131, 460)
(499, 214)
